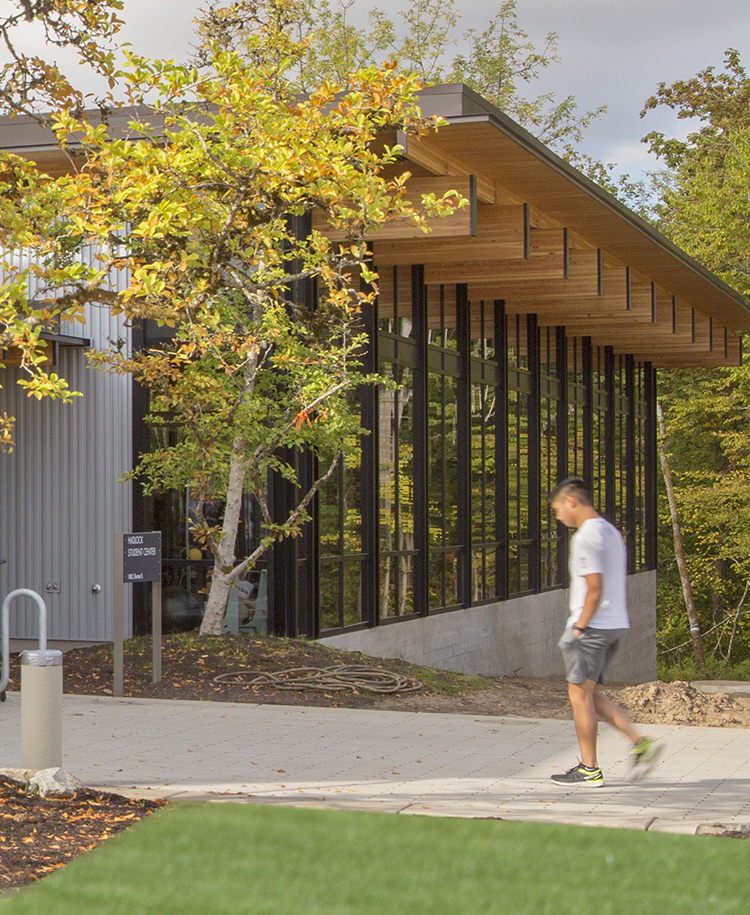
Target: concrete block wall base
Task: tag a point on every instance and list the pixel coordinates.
(511, 638)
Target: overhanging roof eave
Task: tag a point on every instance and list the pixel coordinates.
(602, 197)
(460, 105)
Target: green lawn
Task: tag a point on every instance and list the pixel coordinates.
(222, 859)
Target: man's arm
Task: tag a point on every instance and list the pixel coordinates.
(594, 587)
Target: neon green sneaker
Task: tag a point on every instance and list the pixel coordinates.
(580, 775)
(644, 756)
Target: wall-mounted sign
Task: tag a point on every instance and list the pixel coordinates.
(141, 557)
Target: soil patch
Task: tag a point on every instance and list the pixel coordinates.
(38, 835)
(191, 664)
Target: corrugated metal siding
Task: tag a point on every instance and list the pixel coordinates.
(60, 499)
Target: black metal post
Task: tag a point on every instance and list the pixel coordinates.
(421, 454)
(610, 461)
(651, 464)
(587, 369)
(463, 444)
(304, 559)
(631, 488)
(563, 445)
(535, 454)
(282, 563)
(369, 474)
(293, 591)
(501, 452)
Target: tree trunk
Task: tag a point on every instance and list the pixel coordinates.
(216, 605)
(679, 552)
(223, 573)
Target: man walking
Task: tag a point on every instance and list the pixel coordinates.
(598, 618)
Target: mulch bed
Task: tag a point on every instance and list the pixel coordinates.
(38, 835)
(190, 664)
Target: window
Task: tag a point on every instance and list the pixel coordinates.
(487, 440)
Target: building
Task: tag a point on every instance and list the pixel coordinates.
(525, 334)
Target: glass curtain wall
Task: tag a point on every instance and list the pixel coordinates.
(442, 455)
(487, 458)
(621, 450)
(637, 490)
(459, 509)
(553, 448)
(396, 492)
(598, 431)
(339, 521)
(395, 424)
(577, 398)
(519, 494)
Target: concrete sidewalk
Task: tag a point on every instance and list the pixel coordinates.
(398, 762)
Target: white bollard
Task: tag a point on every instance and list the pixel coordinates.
(41, 709)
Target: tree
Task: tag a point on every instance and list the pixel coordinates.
(679, 551)
(704, 207)
(704, 204)
(31, 84)
(35, 86)
(203, 203)
(424, 39)
(502, 57)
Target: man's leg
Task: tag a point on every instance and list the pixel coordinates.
(585, 719)
(609, 711)
(587, 772)
(645, 751)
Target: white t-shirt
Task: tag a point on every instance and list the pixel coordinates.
(597, 547)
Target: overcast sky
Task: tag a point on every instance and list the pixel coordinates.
(613, 52)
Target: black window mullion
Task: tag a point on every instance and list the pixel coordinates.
(650, 469)
(563, 446)
(397, 542)
(420, 403)
(369, 479)
(534, 454)
(463, 445)
(501, 452)
(587, 365)
(631, 444)
(342, 523)
(308, 591)
(610, 419)
(443, 508)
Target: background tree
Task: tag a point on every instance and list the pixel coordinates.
(201, 204)
(34, 84)
(705, 208)
(499, 62)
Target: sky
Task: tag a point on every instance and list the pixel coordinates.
(612, 52)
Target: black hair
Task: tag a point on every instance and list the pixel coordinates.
(573, 486)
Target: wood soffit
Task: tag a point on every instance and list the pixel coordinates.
(537, 234)
(549, 242)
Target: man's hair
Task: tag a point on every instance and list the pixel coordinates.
(573, 486)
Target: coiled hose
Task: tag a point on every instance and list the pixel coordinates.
(344, 676)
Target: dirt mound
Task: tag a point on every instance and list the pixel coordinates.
(681, 703)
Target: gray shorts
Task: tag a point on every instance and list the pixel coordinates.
(587, 656)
